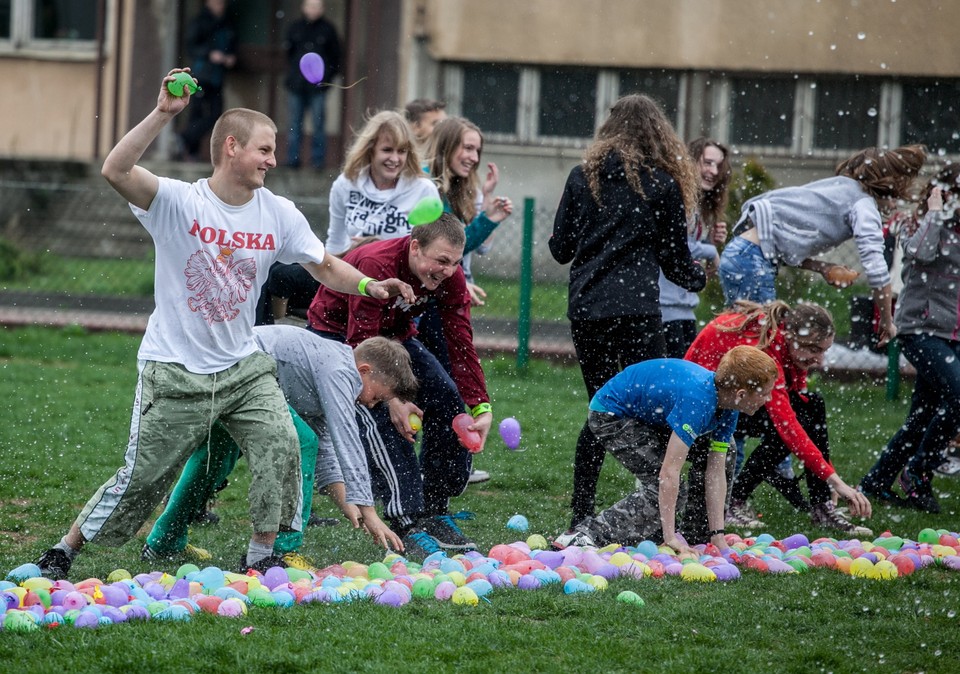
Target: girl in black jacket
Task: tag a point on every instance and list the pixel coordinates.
(621, 219)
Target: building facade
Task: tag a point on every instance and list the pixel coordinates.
(798, 84)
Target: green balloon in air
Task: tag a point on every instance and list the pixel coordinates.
(427, 210)
(180, 82)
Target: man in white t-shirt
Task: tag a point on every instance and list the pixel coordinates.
(198, 363)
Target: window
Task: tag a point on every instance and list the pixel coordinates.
(848, 114)
(5, 19)
(64, 20)
(761, 111)
(568, 102)
(49, 27)
(661, 85)
(490, 97)
(931, 115)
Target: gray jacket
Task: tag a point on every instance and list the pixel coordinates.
(930, 300)
(320, 380)
(677, 303)
(796, 223)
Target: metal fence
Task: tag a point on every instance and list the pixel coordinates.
(855, 349)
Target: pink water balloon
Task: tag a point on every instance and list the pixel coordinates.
(311, 66)
(510, 432)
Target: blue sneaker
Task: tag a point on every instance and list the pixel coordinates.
(418, 545)
(444, 529)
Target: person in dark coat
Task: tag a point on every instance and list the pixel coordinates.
(310, 33)
(212, 50)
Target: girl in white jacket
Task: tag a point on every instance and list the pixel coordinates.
(381, 182)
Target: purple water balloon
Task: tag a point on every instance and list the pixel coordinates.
(726, 572)
(389, 598)
(87, 620)
(528, 582)
(608, 571)
(510, 432)
(795, 541)
(311, 66)
(550, 558)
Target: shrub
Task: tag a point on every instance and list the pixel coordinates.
(17, 264)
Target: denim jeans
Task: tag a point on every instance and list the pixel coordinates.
(745, 274)
(934, 416)
(297, 105)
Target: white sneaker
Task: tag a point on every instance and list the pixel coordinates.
(478, 476)
(826, 515)
(742, 516)
(573, 537)
(949, 467)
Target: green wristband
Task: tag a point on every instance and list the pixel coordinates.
(481, 409)
(719, 447)
(362, 286)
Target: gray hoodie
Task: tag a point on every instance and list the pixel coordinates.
(797, 223)
(676, 303)
(930, 300)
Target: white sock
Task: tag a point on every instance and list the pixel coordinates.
(63, 545)
(256, 552)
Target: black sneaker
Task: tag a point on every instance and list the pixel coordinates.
(445, 531)
(418, 545)
(316, 521)
(205, 517)
(263, 565)
(919, 492)
(54, 564)
(827, 515)
(148, 554)
(884, 494)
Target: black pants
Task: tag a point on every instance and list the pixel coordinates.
(604, 347)
(761, 465)
(679, 335)
(411, 486)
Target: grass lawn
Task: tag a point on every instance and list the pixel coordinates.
(65, 398)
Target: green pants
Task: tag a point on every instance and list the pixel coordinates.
(206, 469)
(172, 414)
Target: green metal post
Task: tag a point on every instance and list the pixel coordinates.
(526, 286)
(893, 369)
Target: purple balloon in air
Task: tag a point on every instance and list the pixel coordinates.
(311, 66)
(510, 432)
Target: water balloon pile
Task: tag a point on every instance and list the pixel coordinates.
(472, 579)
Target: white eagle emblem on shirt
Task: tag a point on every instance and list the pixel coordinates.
(219, 283)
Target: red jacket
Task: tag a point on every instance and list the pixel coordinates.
(712, 344)
(357, 317)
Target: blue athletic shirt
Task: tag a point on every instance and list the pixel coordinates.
(671, 393)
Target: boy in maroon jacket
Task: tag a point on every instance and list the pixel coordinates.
(416, 492)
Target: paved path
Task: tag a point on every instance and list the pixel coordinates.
(549, 340)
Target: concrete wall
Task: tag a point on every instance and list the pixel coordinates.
(843, 36)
